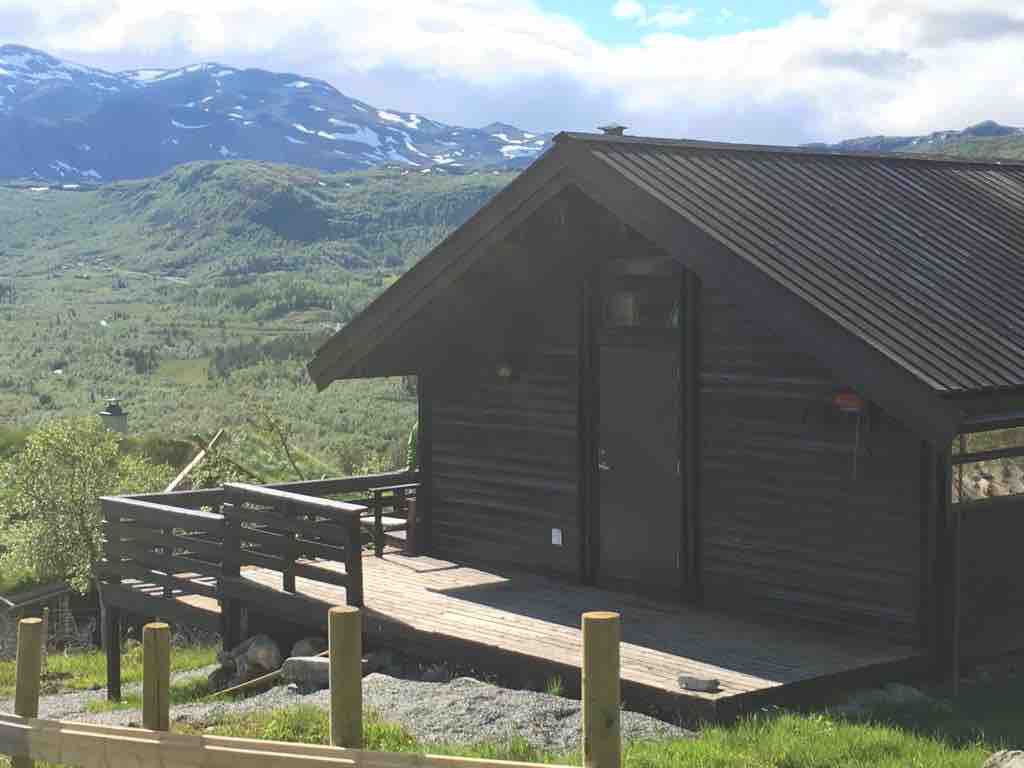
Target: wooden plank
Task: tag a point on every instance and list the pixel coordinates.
(99, 746)
(162, 515)
(173, 485)
(300, 502)
(159, 561)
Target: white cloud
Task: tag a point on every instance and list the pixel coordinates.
(861, 66)
(664, 17)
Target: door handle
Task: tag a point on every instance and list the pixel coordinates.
(602, 460)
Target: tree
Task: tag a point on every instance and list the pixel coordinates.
(50, 517)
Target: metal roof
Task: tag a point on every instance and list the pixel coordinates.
(921, 258)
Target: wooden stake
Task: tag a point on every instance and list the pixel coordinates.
(156, 676)
(602, 744)
(45, 634)
(345, 643)
(28, 668)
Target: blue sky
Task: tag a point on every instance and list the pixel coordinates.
(768, 71)
(697, 19)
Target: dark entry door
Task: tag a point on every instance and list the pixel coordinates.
(640, 483)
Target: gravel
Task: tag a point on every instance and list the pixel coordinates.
(463, 710)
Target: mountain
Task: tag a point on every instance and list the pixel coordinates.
(238, 219)
(987, 139)
(64, 122)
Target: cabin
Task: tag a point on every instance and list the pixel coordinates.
(763, 399)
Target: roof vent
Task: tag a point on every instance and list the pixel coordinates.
(613, 129)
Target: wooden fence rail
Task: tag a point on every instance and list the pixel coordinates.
(25, 738)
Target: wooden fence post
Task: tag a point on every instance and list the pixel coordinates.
(345, 642)
(156, 676)
(27, 671)
(45, 632)
(602, 742)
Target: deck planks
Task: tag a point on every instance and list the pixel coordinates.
(537, 619)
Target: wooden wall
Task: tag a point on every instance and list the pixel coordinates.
(991, 581)
(785, 526)
(505, 452)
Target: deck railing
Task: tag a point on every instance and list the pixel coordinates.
(160, 548)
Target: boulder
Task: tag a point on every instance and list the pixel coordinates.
(1005, 758)
(309, 646)
(256, 656)
(309, 673)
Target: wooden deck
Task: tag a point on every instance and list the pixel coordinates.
(501, 621)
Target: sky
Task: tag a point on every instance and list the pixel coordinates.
(776, 71)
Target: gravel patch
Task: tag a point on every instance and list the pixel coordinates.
(462, 711)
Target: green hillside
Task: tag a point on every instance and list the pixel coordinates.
(199, 295)
(994, 148)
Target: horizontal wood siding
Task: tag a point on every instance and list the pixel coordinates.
(992, 582)
(786, 528)
(505, 465)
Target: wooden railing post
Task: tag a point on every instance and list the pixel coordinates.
(28, 669)
(290, 548)
(602, 743)
(156, 676)
(230, 568)
(345, 645)
(354, 562)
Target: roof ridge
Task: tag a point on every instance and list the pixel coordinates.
(781, 149)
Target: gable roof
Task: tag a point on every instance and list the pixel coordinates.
(900, 272)
(921, 258)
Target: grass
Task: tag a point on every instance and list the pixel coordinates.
(181, 692)
(784, 740)
(887, 733)
(87, 670)
(184, 371)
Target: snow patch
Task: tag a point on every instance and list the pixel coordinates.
(108, 88)
(303, 129)
(176, 124)
(517, 150)
(316, 108)
(297, 84)
(207, 100)
(225, 73)
(360, 133)
(92, 173)
(5, 73)
(293, 140)
(411, 122)
(225, 152)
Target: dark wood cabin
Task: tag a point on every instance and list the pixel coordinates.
(729, 375)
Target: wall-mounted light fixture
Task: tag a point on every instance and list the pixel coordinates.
(504, 371)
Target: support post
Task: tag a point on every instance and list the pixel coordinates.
(354, 563)
(345, 644)
(411, 524)
(156, 676)
(230, 568)
(288, 569)
(602, 743)
(45, 633)
(112, 630)
(28, 668)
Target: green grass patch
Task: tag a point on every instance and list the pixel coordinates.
(88, 670)
(184, 371)
(182, 692)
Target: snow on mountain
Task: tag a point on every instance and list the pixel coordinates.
(72, 123)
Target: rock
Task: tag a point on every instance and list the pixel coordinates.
(220, 679)
(1005, 758)
(309, 646)
(309, 673)
(254, 657)
(436, 673)
(702, 684)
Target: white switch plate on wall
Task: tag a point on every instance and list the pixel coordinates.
(556, 536)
